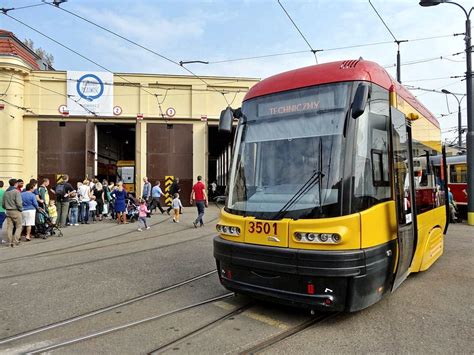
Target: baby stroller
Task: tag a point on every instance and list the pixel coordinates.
(132, 209)
(44, 226)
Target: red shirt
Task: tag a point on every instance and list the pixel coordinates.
(198, 189)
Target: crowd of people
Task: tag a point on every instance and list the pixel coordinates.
(23, 207)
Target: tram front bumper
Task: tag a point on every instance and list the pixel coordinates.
(325, 280)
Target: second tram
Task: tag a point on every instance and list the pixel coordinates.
(320, 209)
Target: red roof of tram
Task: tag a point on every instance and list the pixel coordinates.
(347, 70)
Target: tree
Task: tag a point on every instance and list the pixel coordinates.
(40, 52)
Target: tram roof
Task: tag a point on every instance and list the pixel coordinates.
(452, 159)
(340, 71)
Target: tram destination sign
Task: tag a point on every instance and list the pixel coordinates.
(286, 107)
(314, 99)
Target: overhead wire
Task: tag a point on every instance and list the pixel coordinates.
(77, 53)
(381, 19)
(137, 85)
(134, 43)
(68, 97)
(5, 10)
(314, 51)
(428, 79)
(325, 49)
(215, 62)
(8, 87)
(420, 61)
(26, 109)
(243, 58)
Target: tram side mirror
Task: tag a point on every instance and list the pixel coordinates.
(225, 121)
(360, 100)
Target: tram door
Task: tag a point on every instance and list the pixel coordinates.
(404, 194)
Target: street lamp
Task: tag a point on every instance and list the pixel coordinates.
(470, 109)
(459, 114)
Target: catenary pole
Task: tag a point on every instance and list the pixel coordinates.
(470, 108)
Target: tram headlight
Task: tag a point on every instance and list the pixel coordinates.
(228, 230)
(323, 237)
(320, 238)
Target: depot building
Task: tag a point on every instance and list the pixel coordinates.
(119, 126)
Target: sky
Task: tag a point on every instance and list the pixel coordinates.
(220, 31)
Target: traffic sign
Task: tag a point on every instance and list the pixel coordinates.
(62, 109)
(117, 110)
(170, 112)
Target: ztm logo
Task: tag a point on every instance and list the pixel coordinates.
(90, 87)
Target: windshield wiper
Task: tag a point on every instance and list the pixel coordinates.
(314, 179)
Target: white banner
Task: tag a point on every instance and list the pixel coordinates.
(89, 93)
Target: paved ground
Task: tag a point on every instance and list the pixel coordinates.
(94, 266)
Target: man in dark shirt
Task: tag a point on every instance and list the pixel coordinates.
(174, 189)
(13, 205)
(63, 190)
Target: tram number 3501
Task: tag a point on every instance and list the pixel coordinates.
(265, 227)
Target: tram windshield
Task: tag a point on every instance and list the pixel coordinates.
(289, 149)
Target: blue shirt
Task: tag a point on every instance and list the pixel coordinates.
(156, 191)
(146, 190)
(29, 201)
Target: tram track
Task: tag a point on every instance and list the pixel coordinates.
(137, 240)
(277, 338)
(53, 252)
(103, 309)
(202, 328)
(62, 267)
(127, 325)
(48, 252)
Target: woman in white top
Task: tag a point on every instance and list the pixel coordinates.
(84, 196)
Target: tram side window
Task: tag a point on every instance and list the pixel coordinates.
(458, 174)
(371, 168)
(427, 179)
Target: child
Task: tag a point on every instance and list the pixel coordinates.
(142, 214)
(73, 209)
(52, 211)
(92, 208)
(177, 205)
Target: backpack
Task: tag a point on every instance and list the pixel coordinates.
(60, 191)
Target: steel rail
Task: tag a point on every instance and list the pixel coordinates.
(203, 327)
(288, 333)
(103, 310)
(127, 325)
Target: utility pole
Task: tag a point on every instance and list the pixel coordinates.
(470, 108)
(459, 114)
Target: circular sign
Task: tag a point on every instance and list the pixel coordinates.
(62, 109)
(117, 110)
(170, 112)
(90, 87)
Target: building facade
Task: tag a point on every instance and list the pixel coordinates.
(124, 127)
